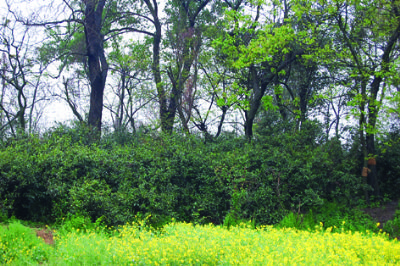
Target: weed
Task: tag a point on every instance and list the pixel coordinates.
(20, 246)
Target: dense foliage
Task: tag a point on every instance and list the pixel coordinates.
(181, 177)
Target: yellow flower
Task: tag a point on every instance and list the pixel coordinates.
(378, 224)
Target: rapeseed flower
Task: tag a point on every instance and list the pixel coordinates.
(188, 244)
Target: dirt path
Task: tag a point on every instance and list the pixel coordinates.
(383, 213)
(46, 235)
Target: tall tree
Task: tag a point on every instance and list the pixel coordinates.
(80, 35)
(364, 36)
(21, 73)
(369, 31)
(185, 38)
(129, 65)
(97, 63)
(262, 50)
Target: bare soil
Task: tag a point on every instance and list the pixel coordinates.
(46, 235)
(383, 213)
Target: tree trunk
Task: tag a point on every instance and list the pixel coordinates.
(258, 90)
(97, 63)
(162, 97)
(373, 107)
(364, 150)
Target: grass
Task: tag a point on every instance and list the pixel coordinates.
(20, 246)
(187, 244)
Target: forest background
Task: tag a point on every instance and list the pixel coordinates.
(205, 111)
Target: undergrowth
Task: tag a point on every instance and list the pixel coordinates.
(20, 246)
(331, 215)
(188, 244)
(392, 227)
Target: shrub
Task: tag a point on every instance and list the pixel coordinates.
(167, 177)
(392, 227)
(388, 164)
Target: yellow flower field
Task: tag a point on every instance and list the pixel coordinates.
(186, 244)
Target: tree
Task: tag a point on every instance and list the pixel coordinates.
(71, 95)
(216, 84)
(97, 64)
(21, 73)
(80, 35)
(185, 39)
(262, 51)
(369, 32)
(132, 89)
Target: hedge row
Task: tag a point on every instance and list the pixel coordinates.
(169, 177)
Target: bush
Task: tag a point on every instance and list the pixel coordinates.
(180, 177)
(388, 164)
(340, 216)
(336, 217)
(392, 227)
(299, 221)
(44, 179)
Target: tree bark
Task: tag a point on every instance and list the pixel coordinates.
(98, 67)
(258, 84)
(166, 126)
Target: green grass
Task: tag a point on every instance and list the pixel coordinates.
(20, 246)
(187, 244)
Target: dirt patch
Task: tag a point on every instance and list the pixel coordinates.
(383, 213)
(46, 235)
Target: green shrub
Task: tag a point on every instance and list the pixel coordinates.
(388, 164)
(180, 177)
(340, 216)
(392, 227)
(331, 215)
(299, 221)
(74, 222)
